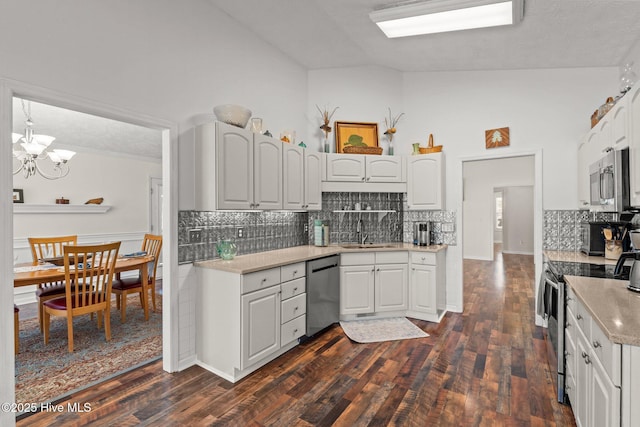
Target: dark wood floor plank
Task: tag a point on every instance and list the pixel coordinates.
(486, 366)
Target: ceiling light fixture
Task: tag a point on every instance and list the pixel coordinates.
(439, 16)
(33, 150)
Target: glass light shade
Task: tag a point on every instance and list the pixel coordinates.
(45, 140)
(33, 148)
(15, 137)
(64, 155)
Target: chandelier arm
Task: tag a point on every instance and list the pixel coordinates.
(62, 168)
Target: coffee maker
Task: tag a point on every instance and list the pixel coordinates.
(422, 233)
(634, 274)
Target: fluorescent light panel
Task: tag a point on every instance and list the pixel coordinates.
(429, 18)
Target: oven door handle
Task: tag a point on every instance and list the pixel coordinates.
(551, 283)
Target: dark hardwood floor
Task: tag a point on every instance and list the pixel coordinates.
(484, 367)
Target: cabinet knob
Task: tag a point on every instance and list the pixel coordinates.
(569, 299)
(566, 353)
(378, 269)
(295, 331)
(264, 279)
(368, 178)
(257, 204)
(579, 316)
(596, 344)
(295, 309)
(363, 178)
(423, 258)
(295, 272)
(567, 387)
(567, 324)
(295, 289)
(587, 359)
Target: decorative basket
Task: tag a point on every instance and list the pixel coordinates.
(428, 150)
(362, 150)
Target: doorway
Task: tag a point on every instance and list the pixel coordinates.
(168, 132)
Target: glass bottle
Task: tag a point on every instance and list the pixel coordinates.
(627, 77)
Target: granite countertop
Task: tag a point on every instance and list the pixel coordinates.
(250, 263)
(615, 308)
(577, 256)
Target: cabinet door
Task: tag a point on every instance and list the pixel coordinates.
(425, 182)
(583, 381)
(357, 289)
(422, 294)
(604, 407)
(619, 124)
(313, 180)
(268, 172)
(583, 176)
(234, 164)
(345, 167)
(260, 325)
(383, 169)
(293, 176)
(391, 287)
(634, 142)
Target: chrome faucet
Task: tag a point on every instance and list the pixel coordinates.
(362, 238)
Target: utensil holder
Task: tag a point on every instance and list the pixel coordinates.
(612, 249)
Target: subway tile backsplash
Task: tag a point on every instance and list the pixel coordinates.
(264, 231)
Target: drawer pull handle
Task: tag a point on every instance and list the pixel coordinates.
(295, 331)
(295, 272)
(579, 317)
(596, 344)
(295, 289)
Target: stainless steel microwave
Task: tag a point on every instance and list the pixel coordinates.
(609, 181)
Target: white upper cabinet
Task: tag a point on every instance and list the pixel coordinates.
(364, 168)
(619, 120)
(425, 182)
(302, 178)
(633, 127)
(236, 169)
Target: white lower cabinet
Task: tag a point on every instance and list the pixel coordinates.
(357, 293)
(260, 325)
(391, 287)
(243, 321)
(593, 371)
(427, 286)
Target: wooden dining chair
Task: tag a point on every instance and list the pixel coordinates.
(152, 245)
(49, 247)
(16, 328)
(93, 279)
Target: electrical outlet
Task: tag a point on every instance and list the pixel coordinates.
(306, 228)
(240, 232)
(195, 235)
(448, 227)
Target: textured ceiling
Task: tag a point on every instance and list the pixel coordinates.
(84, 132)
(339, 33)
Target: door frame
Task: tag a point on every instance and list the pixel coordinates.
(537, 212)
(10, 88)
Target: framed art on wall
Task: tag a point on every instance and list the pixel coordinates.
(496, 137)
(355, 134)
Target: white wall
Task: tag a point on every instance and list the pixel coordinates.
(165, 59)
(363, 94)
(481, 178)
(123, 182)
(518, 220)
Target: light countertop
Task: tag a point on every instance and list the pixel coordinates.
(613, 307)
(249, 263)
(577, 256)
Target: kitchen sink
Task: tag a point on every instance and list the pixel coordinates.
(367, 245)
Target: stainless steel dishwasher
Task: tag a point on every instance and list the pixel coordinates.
(323, 293)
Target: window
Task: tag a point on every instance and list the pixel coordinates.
(498, 210)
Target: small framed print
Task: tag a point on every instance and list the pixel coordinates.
(357, 134)
(496, 137)
(18, 195)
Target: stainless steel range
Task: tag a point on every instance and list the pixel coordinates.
(551, 306)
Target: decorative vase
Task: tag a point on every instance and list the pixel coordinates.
(416, 148)
(227, 249)
(627, 77)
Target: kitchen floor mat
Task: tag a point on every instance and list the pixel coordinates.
(376, 330)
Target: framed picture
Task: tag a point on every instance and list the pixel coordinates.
(18, 195)
(355, 134)
(496, 137)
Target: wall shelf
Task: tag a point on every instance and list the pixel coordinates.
(23, 208)
(381, 212)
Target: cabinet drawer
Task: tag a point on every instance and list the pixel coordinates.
(293, 307)
(583, 318)
(400, 257)
(571, 298)
(292, 271)
(260, 280)
(607, 352)
(571, 336)
(292, 330)
(424, 258)
(359, 258)
(293, 288)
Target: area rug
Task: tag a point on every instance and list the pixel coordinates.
(377, 330)
(44, 373)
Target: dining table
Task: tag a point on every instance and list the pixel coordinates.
(35, 273)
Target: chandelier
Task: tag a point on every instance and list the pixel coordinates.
(34, 149)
